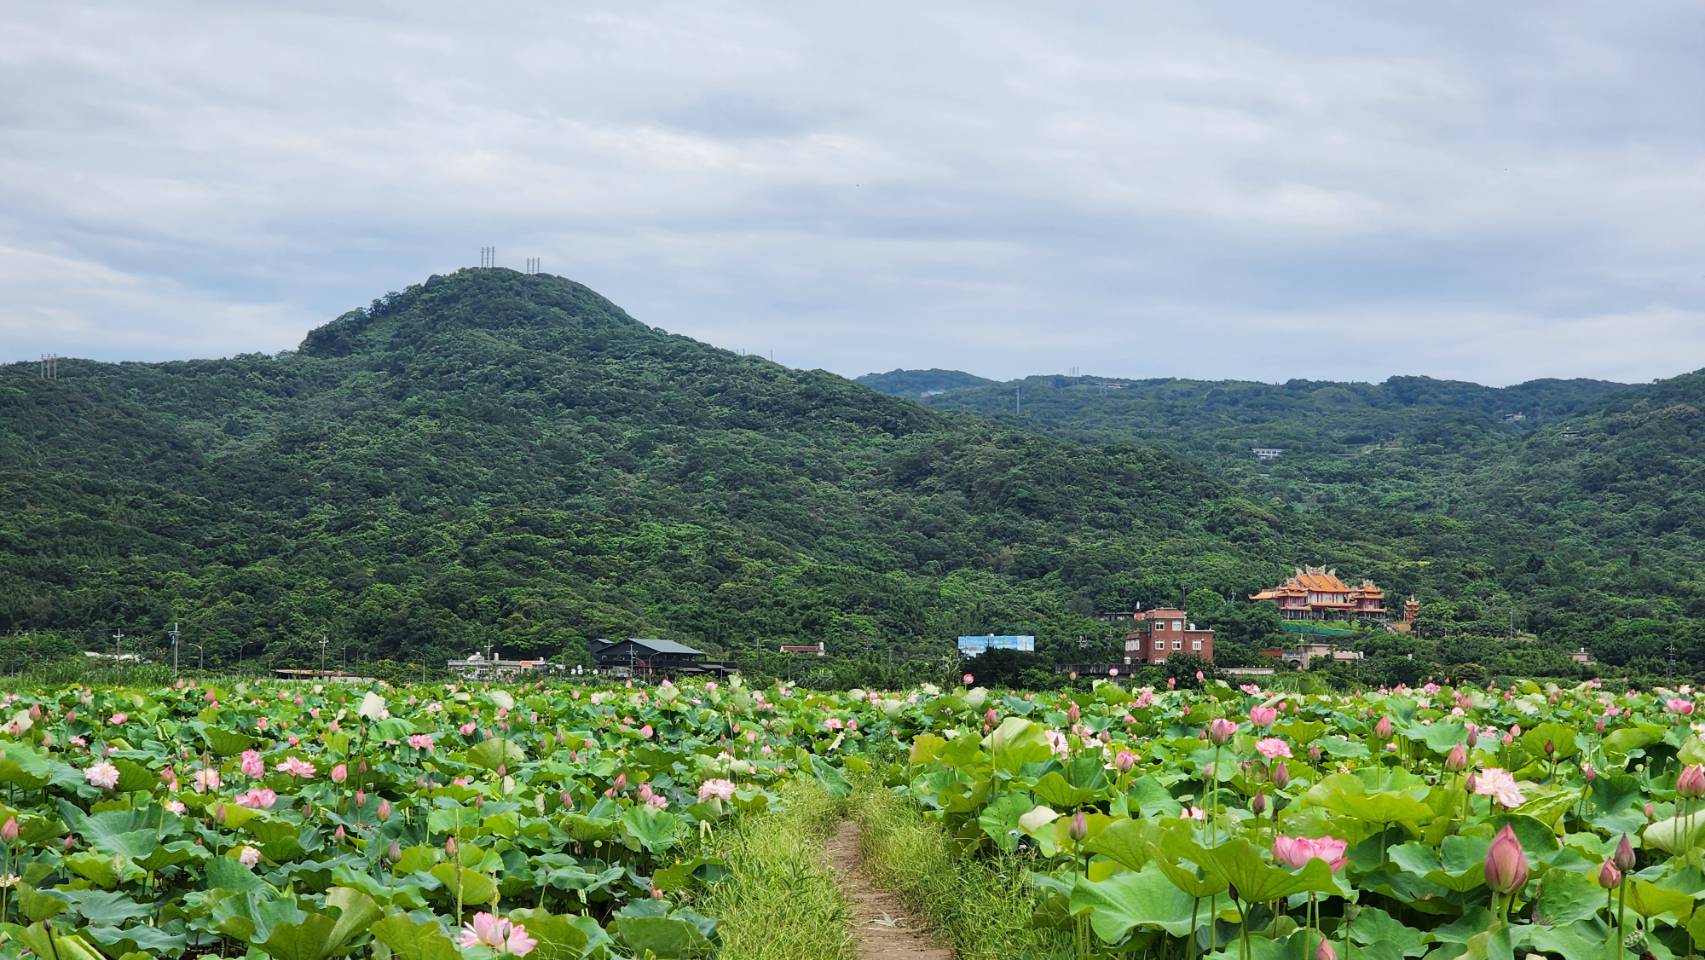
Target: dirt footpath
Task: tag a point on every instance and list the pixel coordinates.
(883, 929)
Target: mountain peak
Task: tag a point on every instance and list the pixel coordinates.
(530, 307)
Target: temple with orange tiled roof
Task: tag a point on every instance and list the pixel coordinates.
(1316, 593)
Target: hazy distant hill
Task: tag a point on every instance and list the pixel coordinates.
(920, 383)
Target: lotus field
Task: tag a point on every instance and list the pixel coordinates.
(298, 821)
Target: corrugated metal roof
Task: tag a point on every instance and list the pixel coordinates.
(665, 646)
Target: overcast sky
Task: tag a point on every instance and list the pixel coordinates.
(1484, 191)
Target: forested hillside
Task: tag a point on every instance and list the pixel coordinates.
(1573, 508)
(497, 457)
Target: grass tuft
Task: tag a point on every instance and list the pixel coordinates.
(982, 906)
(781, 902)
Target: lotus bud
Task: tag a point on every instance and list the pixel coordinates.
(1550, 748)
(1263, 716)
(340, 773)
(384, 811)
(1281, 775)
(9, 831)
(1599, 726)
(451, 846)
(990, 716)
(70, 841)
(1473, 736)
(339, 835)
(1588, 772)
(360, 797)
(1080, 826)
(1125, 761)
(1624, 855)
(1506, 863)
(1691, 783)
(1074, 713)
(1382, 729)
(1472, 783)
(1221, 730)
(1458, 759)
(394, 852)
(1515, 730)
(1608, 876)
(1325, 951)
(1650, 810)
(1258, 806)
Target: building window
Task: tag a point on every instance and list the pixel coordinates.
(1177, 624)
(1160, 625)
(1195, 644)
(1178, 644)
(1160, 645)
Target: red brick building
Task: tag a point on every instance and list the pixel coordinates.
(1160, 633)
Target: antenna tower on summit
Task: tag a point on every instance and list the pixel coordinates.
(50, 366)
(488, 256)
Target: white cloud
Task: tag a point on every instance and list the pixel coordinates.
(1002, 187)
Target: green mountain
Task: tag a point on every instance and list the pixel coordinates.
(1570, 508)
(495, 457)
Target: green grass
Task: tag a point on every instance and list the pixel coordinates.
(981, 906)
(781, 903)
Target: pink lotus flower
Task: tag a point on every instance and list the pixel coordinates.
(257, 798)
(1458, 758)
(719, 789)
(295, 767)
(1506, 863)
(248, 856)
(103, 775)
(833, 723)
(421, 741)
(1124, 761)
(9, 830)
(645, 732)
(1221, 730)
(1193, 813)
(1691, 782)
(253, 766)
(176, 806)
(1296, 852)
(1679, 706)
(1382, 729)
(1609, 877)
(1272, 748)
(1500, 785)
(340, 773)
(467, 729)
(968, 679)
(119, 719)
(1263, 716)
(501, 936)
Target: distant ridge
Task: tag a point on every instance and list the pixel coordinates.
(919, 383)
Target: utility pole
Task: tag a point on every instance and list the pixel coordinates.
(174, 648)
(1017, 400)
(323, 642)
(118, 642)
